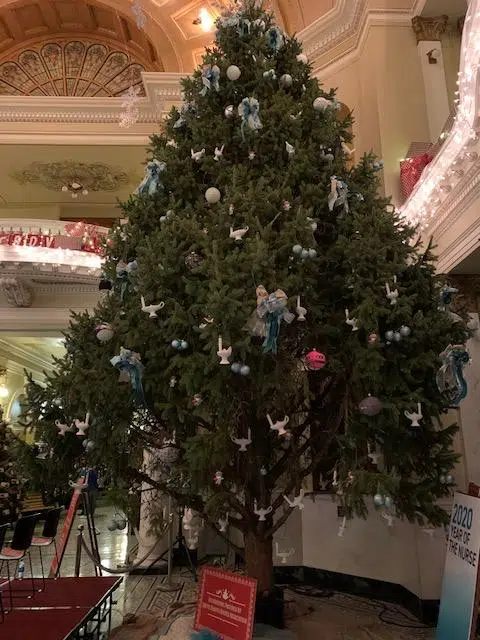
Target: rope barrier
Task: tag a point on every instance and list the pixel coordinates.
(128, 568)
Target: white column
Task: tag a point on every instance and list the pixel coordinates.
(428, 32)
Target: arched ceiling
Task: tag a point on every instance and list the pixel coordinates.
(170, 41)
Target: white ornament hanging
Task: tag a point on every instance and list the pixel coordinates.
(279, 426)
(219, 153)
(300, 311)
(223, 524)
(352, 322)
(104, 332)
(392, 294)
(151, 309)
(229, 111)
(223, 353)
(243, 442)
(197, 155)
(62, 428)
(233, 72)
(373, 455)
(297, 500)
(237, 234)
(290, 149)
(262, 513)
(82, 425)
(212, 195)
(415, 417)
(322, 104)
(302, 58)
(286, 80)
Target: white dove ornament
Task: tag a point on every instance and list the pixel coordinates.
(82, 426)
(223, 353)
(279, 426)
(352, 322)
(243, 442)
(415, 417)
(62, 428)
(237, 234)
(301, 311)
(262, 513)
(151, 309)
(297, 500)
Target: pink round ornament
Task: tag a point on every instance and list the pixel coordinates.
(315, 360)
(372, 338)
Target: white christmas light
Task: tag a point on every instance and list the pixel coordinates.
(422, 205)
(45, 256)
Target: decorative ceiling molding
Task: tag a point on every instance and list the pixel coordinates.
(17, 293)
(26, 357)
(71, 68)
(36, 319)
(54, 175)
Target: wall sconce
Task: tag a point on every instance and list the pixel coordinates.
(433, 56)
(204, 20)
(3, 383)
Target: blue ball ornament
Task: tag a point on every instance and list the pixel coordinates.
(378, 500)
(297, 249)
(183, 345)
(245, 370)
(235, 367)
(175, 344)
(388, 502)
(304, 254)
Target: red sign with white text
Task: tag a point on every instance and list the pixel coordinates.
(27, 240)
(226, 604)
(66, 529)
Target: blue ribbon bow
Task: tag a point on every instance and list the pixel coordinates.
(129, 363)
(450, 380)
(151, 180)
(273, 309)
(210, 76)
(248, 110)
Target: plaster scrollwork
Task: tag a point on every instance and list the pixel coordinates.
(95, 176)
(16, 292)
(429, 28)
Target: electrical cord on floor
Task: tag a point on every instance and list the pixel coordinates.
(387, 614)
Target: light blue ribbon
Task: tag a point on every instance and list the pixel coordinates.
(275, 38)
(272, 329)
(210, 76)
(128, 361)
(450, 380)
(248, 110)
(151, 181)
(446, 297)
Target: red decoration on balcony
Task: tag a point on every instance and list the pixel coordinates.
(410, 171)
(92, 240)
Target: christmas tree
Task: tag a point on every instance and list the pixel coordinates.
(269, 313)
(10, 481)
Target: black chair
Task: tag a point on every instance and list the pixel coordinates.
(18, 549)
(48, 536)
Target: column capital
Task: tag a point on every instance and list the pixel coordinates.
(429, 28)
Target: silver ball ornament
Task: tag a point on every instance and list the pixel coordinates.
(229, 111)
(449, 479)
(90, 446)
(286, 80)
(312, 253)
(302, 58)
(378, 500)
(405, 331)
(297, 249)
(233, 72)
(245, 370)
(183, 345)
(389, 336)
(175, 344)
(321, 104)
(235, 367)
(212, 195)
(442, 479)
(397, 336)
(388, 502)
(304, 254)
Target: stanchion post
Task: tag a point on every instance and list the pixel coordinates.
(78, 554)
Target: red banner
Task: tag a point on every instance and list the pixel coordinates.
(226, 604)
(66, 529)
(28, 240)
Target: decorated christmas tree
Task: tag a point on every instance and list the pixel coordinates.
(267, 315)
(10, 481)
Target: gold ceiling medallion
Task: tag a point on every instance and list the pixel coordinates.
(88, 69)
(95, 176)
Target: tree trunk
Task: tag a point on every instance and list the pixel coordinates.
(259, 561)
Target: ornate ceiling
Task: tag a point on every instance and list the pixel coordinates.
(170, 41)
